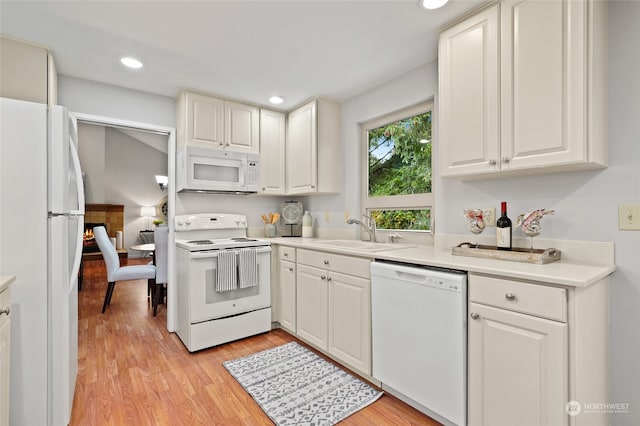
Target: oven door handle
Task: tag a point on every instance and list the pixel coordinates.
(214, 253)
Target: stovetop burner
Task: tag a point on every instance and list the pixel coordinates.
(200, 242)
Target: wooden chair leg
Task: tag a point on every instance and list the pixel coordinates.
(107, 296)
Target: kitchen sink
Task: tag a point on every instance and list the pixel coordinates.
(361, 245)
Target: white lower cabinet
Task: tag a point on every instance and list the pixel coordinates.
(532, 349)
(287, 293)
(333, 306)
(312, 310)
(350, 320)
(517, 368)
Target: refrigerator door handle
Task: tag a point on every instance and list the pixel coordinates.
(78, 255)
(78, 172)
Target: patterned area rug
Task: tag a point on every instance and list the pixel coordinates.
(294, 386)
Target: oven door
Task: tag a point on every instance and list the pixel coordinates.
(206, 303)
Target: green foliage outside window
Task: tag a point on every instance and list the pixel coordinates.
(400, 164)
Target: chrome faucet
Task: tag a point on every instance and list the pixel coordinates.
(370, 228)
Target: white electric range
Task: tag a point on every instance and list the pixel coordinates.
(223, 280)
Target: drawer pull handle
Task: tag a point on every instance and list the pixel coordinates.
(322, 277)
(328, 278)
(285, 254)
(510, 296)
(290, 269)
(5, 311)
(326, 262)
(474, 315)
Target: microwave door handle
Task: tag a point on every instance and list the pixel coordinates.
(243, 171)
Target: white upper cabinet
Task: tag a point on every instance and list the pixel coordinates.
(469, 110)
(544, 109)
(206, 121)
(241, 127)
(312, 147)
(27, 72)
(272, 152)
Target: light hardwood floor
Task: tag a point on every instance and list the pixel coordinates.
(131, 371)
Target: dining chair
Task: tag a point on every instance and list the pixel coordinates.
(161, 239)
(115, 272)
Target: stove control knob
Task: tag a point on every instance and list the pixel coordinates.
(188, 221)
(180, 222)
(243, 223)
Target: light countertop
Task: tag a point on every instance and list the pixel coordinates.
(572, 273)
(5, 280)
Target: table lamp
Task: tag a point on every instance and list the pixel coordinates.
(148, 212)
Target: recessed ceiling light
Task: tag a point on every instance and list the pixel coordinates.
(432, 4)
(276, 100)
(130, 62)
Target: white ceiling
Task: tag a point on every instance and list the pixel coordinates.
(244, 50)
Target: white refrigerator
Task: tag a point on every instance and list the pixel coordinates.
(41, 227)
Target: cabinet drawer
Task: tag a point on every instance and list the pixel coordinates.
(287, 253)
(533, 299)
(335, 262)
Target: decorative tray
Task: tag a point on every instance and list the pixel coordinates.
(517, 254)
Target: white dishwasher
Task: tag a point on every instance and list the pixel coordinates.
(419, 337)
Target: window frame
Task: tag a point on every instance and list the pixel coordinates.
(396, 202)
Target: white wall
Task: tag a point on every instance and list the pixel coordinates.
(91, 149)
(130, 169)
(90, 97)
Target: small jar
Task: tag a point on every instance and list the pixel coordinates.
(307, 225)
(270, 230)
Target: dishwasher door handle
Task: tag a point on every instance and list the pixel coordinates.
(412, 277)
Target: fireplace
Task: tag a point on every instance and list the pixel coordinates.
(89, 244)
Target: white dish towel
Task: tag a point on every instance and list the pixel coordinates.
(248, 268)
(226, 275)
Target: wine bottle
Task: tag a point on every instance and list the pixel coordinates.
(503, 229)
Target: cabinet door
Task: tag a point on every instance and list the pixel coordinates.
(517, 369)
(311, 305)
(241, 127)
(24, 71)
(301, 152)
(204, 121)
(543, 102)
(468, 98)
(350, 320)
(272, 152)
(287, 293)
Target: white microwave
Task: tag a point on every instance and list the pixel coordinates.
(215, 170)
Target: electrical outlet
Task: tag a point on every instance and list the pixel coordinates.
(629, 218)
(346, 215)
(489, 216)
(327, 217)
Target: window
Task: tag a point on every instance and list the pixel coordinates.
(397, 171)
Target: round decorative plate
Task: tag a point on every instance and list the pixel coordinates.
(163, 209)
(291, 212)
